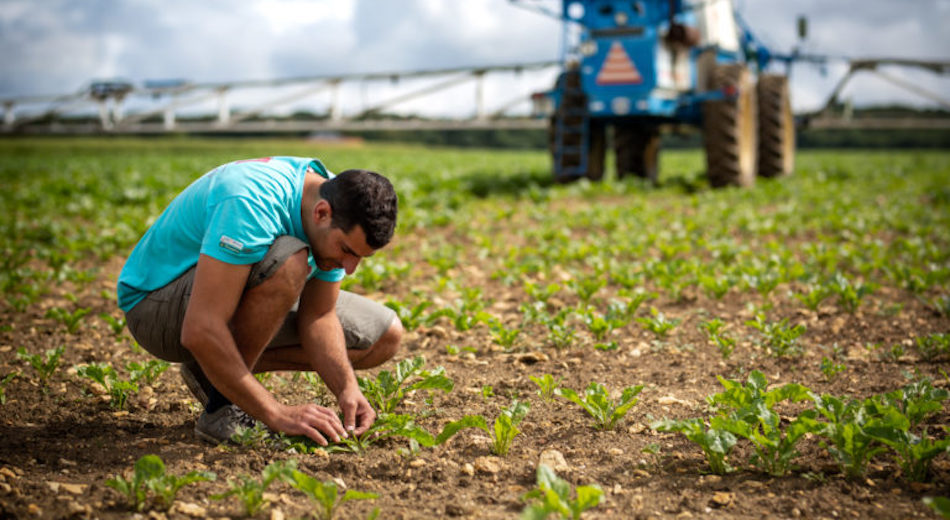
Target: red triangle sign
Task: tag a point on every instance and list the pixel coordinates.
(618, 68)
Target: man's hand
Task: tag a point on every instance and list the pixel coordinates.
(358, 415)
(316, 422)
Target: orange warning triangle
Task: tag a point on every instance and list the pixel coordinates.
(618, 68)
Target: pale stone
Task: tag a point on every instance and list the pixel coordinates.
(554, 459)
(468, 469)
(190, 509)
(490, 465)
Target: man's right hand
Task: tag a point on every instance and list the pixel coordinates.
(316, 422)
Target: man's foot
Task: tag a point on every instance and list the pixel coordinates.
(219, 426)
(196, 381)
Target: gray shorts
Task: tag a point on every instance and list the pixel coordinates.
(155, 322)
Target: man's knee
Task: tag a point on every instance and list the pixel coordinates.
(388, 345)
(291, 276)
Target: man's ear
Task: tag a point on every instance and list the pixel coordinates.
(322, 212)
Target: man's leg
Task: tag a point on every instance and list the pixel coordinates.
(293, 357)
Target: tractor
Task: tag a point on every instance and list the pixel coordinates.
(643, 65)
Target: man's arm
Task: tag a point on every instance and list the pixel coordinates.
(215, 296)
(322, 337)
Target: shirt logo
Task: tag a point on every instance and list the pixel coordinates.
(230, 244)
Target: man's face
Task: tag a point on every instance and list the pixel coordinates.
(342, 250)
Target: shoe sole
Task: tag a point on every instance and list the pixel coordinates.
(193, 385)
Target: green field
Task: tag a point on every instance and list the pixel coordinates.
(835, 279)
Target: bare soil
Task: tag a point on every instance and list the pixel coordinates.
(59, 443)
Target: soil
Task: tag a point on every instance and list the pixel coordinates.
(61, 441)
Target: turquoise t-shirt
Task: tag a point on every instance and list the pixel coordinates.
(232, 213)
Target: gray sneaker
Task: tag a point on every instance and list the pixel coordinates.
(221, 425)
(196, 381)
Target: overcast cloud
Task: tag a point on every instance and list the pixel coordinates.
(58, 46)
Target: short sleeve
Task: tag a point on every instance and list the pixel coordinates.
(237, 232)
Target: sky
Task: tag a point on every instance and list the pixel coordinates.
(59, 46)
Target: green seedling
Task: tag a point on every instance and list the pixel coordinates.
(390, 388)
(596, 401)
(844, 432)
(715, 443)
(506, 427)
(714, 330)
(119, 389)
(940, 505)
(849, 294)
(410, 315)
(541, 295)
(830, 368)
(917, 400)
(586, 288)
(502, 335)
(148, 371)
(44, 365)
(779, 338)
(914, 453)
(546, 385)
(658, 324)
(150, 477)
(72, 320)
(746, 410)
(250, 436)
(251, 491)
(553, 495)
(4, 381)
(933, 346)
(116, 325)
(813, 295)
(325, 494)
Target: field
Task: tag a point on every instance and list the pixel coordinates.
(791, 340)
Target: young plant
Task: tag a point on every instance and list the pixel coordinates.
(44, 365)
(116, 325)
(390, 388)
(72, 320)
(596, 401)
(503, 336)
(547, 385)
(149, 371)
(716, 335)
(940, 505)
(779, 338)
(913, 452)
(325, 494)
(410, 315)
(933, 346)
(506, 427)
(119, 389)
(746, 410)
(658, 324)
(251, 491)
(150, 477)
(830, 368)
(4, 381)
(715, 443)
(813, 295)
(845, 434)
(553, 496)
(917, 400)
(850, 294)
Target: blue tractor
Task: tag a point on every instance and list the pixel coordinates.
(639, 66)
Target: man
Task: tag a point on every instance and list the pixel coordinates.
(241, 274)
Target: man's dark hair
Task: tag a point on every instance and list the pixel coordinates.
(365, 198)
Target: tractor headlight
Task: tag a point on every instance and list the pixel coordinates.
(620, 18)
(589, 48)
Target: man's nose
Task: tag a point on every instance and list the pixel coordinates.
(350, 263)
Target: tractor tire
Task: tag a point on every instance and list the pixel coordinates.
(729, 129)
(776, 127)
(637, 150)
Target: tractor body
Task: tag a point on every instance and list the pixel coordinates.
(633, 68)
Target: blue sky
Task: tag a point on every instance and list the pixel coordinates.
(58, 46)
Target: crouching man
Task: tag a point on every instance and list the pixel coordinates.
(241, 274)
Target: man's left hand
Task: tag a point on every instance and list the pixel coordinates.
(358, 415)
